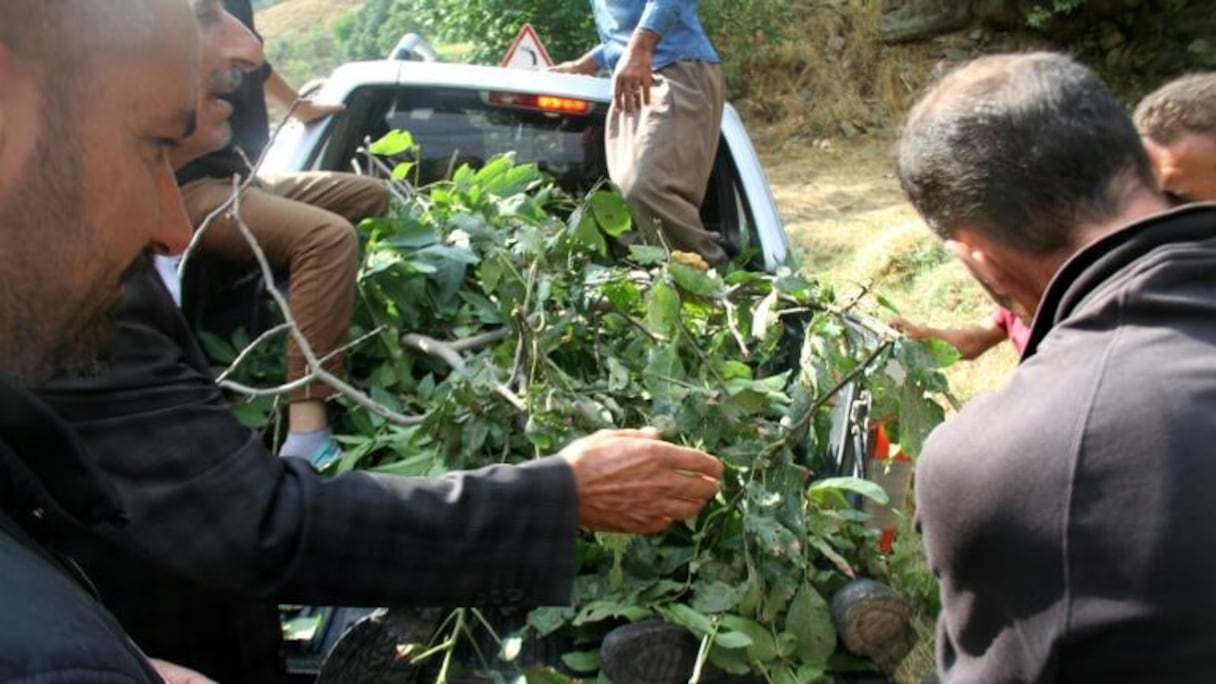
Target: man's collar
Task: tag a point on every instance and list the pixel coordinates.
(50, 457)
(1101, 259)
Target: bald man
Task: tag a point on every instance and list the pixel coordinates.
(85, 187)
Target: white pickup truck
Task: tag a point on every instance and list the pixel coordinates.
(469, 113)
(460, 113)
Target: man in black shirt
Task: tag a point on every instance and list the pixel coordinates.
(85, 186)
(1068, 515)
(303, 222)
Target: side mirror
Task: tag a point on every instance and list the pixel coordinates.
(414, 48)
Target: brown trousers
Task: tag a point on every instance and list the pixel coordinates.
(661, 157)
(303, 223)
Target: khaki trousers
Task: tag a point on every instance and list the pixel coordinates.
(303, 223)
(661, 157)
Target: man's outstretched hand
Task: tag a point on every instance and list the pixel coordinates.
(631, 481)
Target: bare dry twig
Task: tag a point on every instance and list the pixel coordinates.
(449, 353)
(316, 371)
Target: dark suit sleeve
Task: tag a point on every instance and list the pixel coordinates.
(207, 500)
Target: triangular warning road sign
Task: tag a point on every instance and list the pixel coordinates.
(527, 52)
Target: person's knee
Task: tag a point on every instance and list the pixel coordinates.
(638, 188)
(372, 196)
(336, 239)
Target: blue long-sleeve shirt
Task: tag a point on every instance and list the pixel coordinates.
(680, 33)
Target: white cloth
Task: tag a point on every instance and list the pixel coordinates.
(166, 268)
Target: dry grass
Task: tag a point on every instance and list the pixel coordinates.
(840, 82)
(299, 16)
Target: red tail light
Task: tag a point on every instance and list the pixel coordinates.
(544, 103)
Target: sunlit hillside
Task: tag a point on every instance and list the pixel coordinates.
(301, 15)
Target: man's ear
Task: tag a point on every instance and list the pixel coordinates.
(985, 264)
(1003, 272)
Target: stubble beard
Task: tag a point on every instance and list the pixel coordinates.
(51, 324)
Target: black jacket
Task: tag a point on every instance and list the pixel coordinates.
(220, 529)
(52, 629)
(1070, 516)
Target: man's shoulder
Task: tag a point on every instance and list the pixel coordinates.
(1025, 432)
(53, 630)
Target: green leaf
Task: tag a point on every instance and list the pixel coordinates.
(732, 640)
(856, 485)
(646, 255)
(663, 310)
(686, 617)
(662, 374)
(410, 235)
(548, 619)
(218, 349)
(393, 143)
(943, 354)
(716, 596)
(810, 621)
(886, 303)
(763, 647)
(586, 232)
(402, 170)
(582, 661)
(695, 280)
(730, 660)
(735, 370)
(611, 212)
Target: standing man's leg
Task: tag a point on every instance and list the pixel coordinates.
(661, 157)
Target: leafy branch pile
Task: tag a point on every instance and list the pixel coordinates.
(503, 313)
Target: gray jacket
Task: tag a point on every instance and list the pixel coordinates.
(1070, 516)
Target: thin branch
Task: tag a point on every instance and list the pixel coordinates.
(809, 415)
(247, 351)
(451, 356)
(732, 322)
(400, 188)
(313, 363)
(692, 344)
(485, 339)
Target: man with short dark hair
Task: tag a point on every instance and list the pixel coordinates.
(1178, 125)
(1067, 514)
(85, 187)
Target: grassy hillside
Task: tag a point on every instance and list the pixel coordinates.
(299, 16)
(300, 38)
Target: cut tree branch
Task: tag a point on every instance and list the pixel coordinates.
(450, 354)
